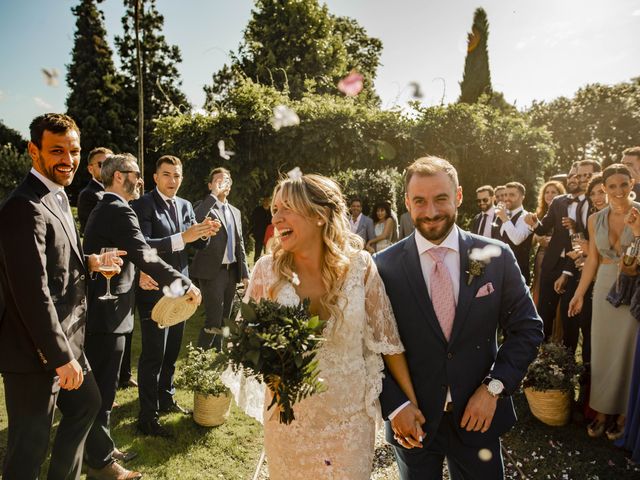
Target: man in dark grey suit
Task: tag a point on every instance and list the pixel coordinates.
(43, 311)
(360, 223)
(113, 223)
(92, 193)
(221, 265)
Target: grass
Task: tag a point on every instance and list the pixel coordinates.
(231, 451)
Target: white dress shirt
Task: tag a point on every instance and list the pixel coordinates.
(354, 225)
(63, 203)
(519, 231)
(491, 217)
(225, 221)
(177, 242)
(573, 206)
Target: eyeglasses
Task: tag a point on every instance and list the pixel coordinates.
(137, 172)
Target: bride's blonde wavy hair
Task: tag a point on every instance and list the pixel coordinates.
(316, 196)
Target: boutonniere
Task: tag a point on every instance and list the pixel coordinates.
(479, 258)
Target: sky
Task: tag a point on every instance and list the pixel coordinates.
(538, 50)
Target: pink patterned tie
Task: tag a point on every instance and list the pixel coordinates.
(441, 291)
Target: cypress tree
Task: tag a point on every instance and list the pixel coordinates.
(476, 80)
(94, 99)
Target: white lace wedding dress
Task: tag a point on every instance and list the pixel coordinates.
(333, 434)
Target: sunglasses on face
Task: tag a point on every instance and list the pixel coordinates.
(131, 171)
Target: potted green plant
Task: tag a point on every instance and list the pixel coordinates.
(200, 373)
(550, 384)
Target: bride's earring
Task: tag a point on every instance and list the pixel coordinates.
(319, 223)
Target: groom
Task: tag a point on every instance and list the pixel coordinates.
(448, 310)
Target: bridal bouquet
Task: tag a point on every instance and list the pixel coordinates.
(277, 344)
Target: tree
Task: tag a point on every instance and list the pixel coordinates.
(161, 78)
(10, 136)
(298, 46)
(14, 165)
(477, 78)
(95, 89)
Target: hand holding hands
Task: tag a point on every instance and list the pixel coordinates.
(407, 427)
(478, 414)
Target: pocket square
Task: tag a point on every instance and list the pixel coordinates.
(486, 289)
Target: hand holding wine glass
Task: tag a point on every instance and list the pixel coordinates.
(108, 268)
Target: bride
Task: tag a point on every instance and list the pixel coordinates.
(317, 257)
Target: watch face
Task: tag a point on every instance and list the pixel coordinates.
(495, 387)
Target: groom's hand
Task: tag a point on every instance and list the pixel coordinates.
(479, 412)
(407, 427)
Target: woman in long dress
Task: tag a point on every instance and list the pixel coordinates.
(316, 256)
(613, 330)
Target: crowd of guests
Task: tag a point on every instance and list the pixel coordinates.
(583, 233)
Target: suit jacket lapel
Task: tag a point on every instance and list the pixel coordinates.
(413, 270)
(465, 295)
(52, 204)
(163, 206)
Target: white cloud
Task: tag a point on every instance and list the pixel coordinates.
(636, 13)
(42, 103)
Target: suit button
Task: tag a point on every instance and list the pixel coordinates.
(449, 355)
(81, 277)
(83, 301)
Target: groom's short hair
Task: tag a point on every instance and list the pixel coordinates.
(429, 166)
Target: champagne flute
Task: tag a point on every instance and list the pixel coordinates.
(576, 238)
(108, 269)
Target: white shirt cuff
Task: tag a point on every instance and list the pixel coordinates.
(397, 410)
(177, 242)
(568, 274)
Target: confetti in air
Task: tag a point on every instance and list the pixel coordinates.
(175, 290)
(295, 174)
(352, 84)
(226, 154)
(295, 279)
(485, 254)
(416, 90)
(50, 76)
(150, 255)
(485, 454)
(283, 116)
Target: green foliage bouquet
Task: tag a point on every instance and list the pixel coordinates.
(277, 344)
(554, 368)
(200, 372)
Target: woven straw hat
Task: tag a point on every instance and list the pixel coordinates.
(170, 311)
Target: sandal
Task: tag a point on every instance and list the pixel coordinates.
(615, 431)
(596, 428)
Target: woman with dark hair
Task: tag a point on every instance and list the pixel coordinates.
(548, 192)
(613, 329)
(383, 228)
(596, 193)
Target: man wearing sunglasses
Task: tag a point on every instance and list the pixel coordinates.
(483, 221)
(92, 193)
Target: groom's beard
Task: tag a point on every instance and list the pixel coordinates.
(434, 233)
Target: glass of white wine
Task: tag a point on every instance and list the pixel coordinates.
(108, 268)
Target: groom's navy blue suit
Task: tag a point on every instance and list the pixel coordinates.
(472, 353)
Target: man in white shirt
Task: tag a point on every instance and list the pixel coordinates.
(513, 230)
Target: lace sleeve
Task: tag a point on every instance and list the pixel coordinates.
(381, 329)
(247, 391)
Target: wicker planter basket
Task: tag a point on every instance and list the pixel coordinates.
(209, 410)
(552, 407)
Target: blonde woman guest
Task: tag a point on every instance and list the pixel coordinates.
(334, 431)
(548, 192)
(383, 228)
(613, 330)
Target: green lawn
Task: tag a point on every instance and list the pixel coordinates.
(231, 451)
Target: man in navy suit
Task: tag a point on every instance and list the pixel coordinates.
(448, 308)
(222, 264)
(168, 224)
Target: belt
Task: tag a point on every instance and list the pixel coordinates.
(448, 408)
(228, 266)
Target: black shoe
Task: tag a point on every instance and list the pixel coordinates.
(153, 429)
(131, 383)
(175, 408)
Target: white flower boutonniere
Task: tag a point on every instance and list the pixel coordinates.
(479, 258)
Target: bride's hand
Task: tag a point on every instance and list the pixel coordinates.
(407, 427)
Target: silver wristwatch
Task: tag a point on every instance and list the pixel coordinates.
(494, 386)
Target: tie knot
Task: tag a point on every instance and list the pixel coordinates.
(438, 253)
